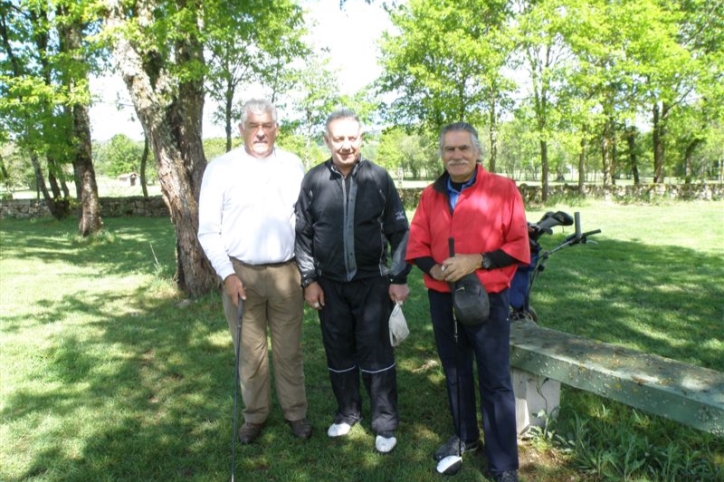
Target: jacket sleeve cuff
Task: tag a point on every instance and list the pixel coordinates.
(308, 281)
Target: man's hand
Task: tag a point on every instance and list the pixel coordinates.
(234, 288)
(314, 295)
(399, 293)
(454, 268)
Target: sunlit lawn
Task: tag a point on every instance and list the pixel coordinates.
(107, 377)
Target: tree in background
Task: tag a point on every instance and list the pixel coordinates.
(519, 147)
(315, 96)
(256, 44)
(695, 124)
(446, 64)
(594, 72)
(44, 103)
(401, 152)
(75, 70)
(159, 49)
(544, 56)
(16, 171)
(120, 155)
(159, 52)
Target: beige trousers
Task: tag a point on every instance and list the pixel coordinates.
(274, 299)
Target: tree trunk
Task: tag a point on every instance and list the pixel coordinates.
(61, 195)
(614, 152)
(607, 150)
(582, 164)
(4, 175)
(89, 217)
(59, 208)
(144, 163)
(228, 109)
(89, 213)
(40, 180)
(544, 170)
(632, 156)
(658, 139)
(688, 156)
(52, 178)
(170, 111)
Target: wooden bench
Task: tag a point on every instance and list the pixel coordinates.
(542, 359)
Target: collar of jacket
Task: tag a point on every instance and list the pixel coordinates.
(440, 184)
(333, 168)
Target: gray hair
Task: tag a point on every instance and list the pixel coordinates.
(257, 107)
(461, 126)
(341, 114)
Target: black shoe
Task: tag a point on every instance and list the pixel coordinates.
(249, 432)
(507, 476)
(301, 428)
(454, 447)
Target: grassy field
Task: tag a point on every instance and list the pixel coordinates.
(109, 375)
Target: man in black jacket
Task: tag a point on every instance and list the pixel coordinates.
(348, 213)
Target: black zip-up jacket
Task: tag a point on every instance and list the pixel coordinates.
(344, 225)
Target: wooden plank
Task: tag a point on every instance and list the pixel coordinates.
(686, 393)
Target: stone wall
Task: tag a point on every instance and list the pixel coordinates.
(111, 207)
(155, 207)
(641, 192)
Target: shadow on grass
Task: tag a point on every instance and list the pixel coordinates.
(147, 394)
(142, 245)
(663, 300)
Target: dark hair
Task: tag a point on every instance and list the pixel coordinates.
(341, 114)
(460, 126)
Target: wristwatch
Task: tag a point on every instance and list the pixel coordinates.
(485, 262)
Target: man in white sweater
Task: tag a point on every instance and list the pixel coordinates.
(246, 229)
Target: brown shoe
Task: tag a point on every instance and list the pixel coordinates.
(301, 428)
(249, 432)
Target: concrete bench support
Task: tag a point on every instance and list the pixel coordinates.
(688, 394)
(534, 395)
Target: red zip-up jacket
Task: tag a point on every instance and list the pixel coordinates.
(489, 215)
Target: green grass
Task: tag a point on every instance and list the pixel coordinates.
(107, 376)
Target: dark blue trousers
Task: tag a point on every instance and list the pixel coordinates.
(489, 345)
(356, 335)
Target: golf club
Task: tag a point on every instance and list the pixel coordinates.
(239, 314)
(452, 464)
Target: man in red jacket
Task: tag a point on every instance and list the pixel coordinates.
(485, 215)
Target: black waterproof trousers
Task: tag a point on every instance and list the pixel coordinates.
(355, 331)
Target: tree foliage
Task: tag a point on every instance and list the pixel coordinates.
(44, 103)
(406, 154)
(445, 65)
(120, 155)
(257, 44)
(589, 78)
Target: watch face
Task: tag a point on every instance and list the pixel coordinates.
(486, 262)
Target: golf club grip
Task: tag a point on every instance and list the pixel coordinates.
(240, 309)
(451, 246)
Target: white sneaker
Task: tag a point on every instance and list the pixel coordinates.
(338, 429)
(385, 444)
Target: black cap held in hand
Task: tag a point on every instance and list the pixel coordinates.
(470, 301)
